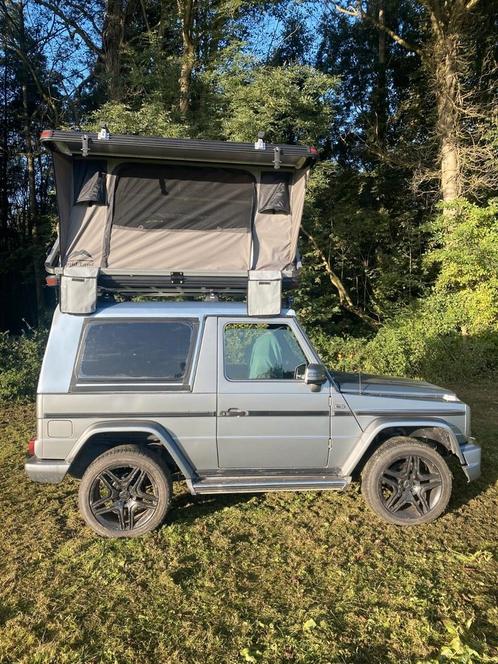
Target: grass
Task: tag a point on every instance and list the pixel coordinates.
(311, 578)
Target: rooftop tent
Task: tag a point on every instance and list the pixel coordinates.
(158, 205)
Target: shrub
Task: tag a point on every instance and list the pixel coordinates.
(20, 360)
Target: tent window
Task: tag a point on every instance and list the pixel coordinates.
(274, 192)
(157, 197)
(89, 181)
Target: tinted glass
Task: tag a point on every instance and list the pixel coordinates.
(157, 351)
(261, 352)
(155, 197)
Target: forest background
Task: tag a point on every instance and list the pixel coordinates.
(400, 232)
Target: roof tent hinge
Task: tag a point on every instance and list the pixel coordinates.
(260, 143)
(85, 142)
(177, 278)
(104, 134)
(276, 157)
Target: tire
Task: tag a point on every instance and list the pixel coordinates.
(406, 482)
(125, 492)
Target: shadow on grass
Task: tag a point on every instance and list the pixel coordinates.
(187, 508)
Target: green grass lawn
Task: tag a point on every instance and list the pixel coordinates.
(274, 578)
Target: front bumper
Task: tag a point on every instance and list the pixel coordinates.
(471, 452)
(46, 471)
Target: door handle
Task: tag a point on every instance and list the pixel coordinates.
(234, 412)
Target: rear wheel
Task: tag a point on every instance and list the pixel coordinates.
(406, 482)
(125, 492)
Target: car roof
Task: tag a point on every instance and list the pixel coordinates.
(187, 308)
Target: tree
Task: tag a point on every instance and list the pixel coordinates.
(443, 57)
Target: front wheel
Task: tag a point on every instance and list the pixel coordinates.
(406, 482)
(125, 492)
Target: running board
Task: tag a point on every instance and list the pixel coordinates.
(270, 483)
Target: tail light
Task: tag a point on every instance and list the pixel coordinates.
(31, 446)
(51, 280)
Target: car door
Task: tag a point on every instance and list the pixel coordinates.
(267, 417)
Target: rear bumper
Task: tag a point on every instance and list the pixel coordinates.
(46, 471)
(472, 454)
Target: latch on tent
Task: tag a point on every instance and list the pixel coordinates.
(276, 157)
(85, 142)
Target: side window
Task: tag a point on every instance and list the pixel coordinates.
(136, 351)
(255, 351)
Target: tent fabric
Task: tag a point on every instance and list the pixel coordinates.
(274, 192)
(189, 250)
(63, 171)
(154, 197)
(209, 219)
(89, 181)
(275, 235)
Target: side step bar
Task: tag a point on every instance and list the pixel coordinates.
(261, 484)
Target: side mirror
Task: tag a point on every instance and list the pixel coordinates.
(315, 375)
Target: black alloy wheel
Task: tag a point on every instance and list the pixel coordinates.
(123, 497)
(411, 485)
(407, 482)
(125, 492)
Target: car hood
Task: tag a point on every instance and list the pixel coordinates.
(370, 385)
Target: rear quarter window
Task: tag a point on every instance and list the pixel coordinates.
(136, 352)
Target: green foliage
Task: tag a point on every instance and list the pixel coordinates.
(20, 361)
(465, 247)
(151, 119)
(452, 333)
(291, 104)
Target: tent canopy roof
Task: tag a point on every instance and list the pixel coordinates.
(181, 149)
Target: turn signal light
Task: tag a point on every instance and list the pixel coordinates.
(31, 446)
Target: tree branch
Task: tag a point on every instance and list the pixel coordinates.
(344, 297)
(70, 24)
(361, 14)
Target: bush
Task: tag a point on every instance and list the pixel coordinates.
(438, 338)
(452, 334)
(20, 361)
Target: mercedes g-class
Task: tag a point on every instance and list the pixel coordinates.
(137, 395)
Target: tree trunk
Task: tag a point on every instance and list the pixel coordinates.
(32, 211)
(380, 94)
(448, 115)
(186, 13)
(4, 196)
(112, 42)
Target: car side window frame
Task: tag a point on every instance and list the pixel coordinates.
(289, 322)
(136, 385)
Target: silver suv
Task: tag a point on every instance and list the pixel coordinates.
(138, 395)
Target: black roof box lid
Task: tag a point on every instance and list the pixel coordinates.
(181, 149)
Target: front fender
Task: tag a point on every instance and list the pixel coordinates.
(137, 426)
(380, 424)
